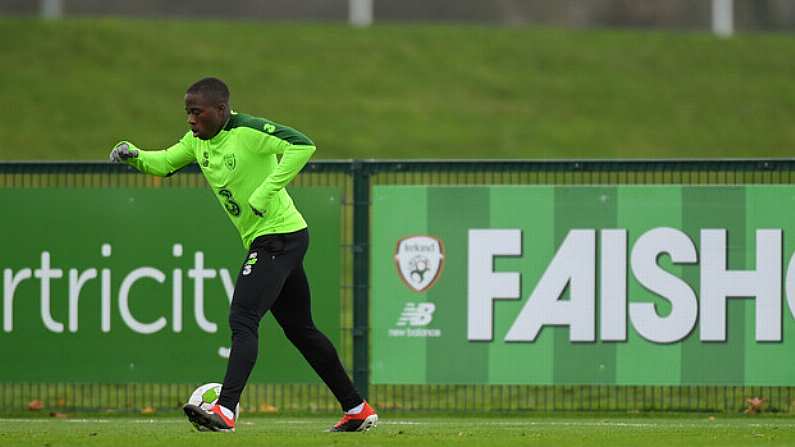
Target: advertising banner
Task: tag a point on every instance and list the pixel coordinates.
(634, 285)
(133, 285)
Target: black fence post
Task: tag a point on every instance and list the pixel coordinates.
(361, 277)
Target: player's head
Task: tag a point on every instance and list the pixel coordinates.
(207, 106)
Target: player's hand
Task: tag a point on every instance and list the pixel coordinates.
(123, 151)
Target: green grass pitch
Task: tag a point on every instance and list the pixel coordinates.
(414, 430)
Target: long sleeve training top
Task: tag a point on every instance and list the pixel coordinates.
(241, 166)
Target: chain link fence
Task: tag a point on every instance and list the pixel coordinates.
(355, 179)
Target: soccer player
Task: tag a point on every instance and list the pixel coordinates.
(237, 154)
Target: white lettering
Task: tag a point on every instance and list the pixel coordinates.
(76, 283)
(45, 273)
(483, 284)
(105, 300)
(124, 306)
(176, 301)
(573, 266)
(176, 293)
(77, 280)
(613, 285)
(684, 307)
(199, 274)
(10, 283)
(790, 282)
(718, 284)
(105, 281)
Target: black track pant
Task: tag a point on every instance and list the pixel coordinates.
(273, 278)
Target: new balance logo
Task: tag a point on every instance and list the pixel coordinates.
(413, 321)
(416, 314)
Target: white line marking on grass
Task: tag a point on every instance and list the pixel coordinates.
(526, 423)
(691, 423)
(130, 420)
(696, 423)
(298, 422)
(28, 420)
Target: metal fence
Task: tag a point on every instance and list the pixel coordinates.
(355, 179)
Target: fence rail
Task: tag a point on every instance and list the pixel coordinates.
(355, 179)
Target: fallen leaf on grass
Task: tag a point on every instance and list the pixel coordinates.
(35, 405)
(267, 408)
(754, 405)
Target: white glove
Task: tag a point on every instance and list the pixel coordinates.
(122, 152)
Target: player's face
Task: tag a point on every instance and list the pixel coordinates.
(204, 118)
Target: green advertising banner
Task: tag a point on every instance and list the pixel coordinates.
(634, 285)
(133, 285)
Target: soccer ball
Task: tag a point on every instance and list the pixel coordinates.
(205, 397)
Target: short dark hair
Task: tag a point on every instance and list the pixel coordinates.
(212, 89)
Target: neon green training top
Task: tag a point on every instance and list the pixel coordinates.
(241, 167)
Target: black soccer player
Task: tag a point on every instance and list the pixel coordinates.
(237, 154)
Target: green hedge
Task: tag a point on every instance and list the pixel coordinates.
(71, 89)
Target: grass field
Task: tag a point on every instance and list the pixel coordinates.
(71, 89)
(691, 431)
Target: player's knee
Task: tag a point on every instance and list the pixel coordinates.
(241, 322)
(298, 334)
(307, 337)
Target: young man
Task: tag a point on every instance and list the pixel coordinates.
(237, 155)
